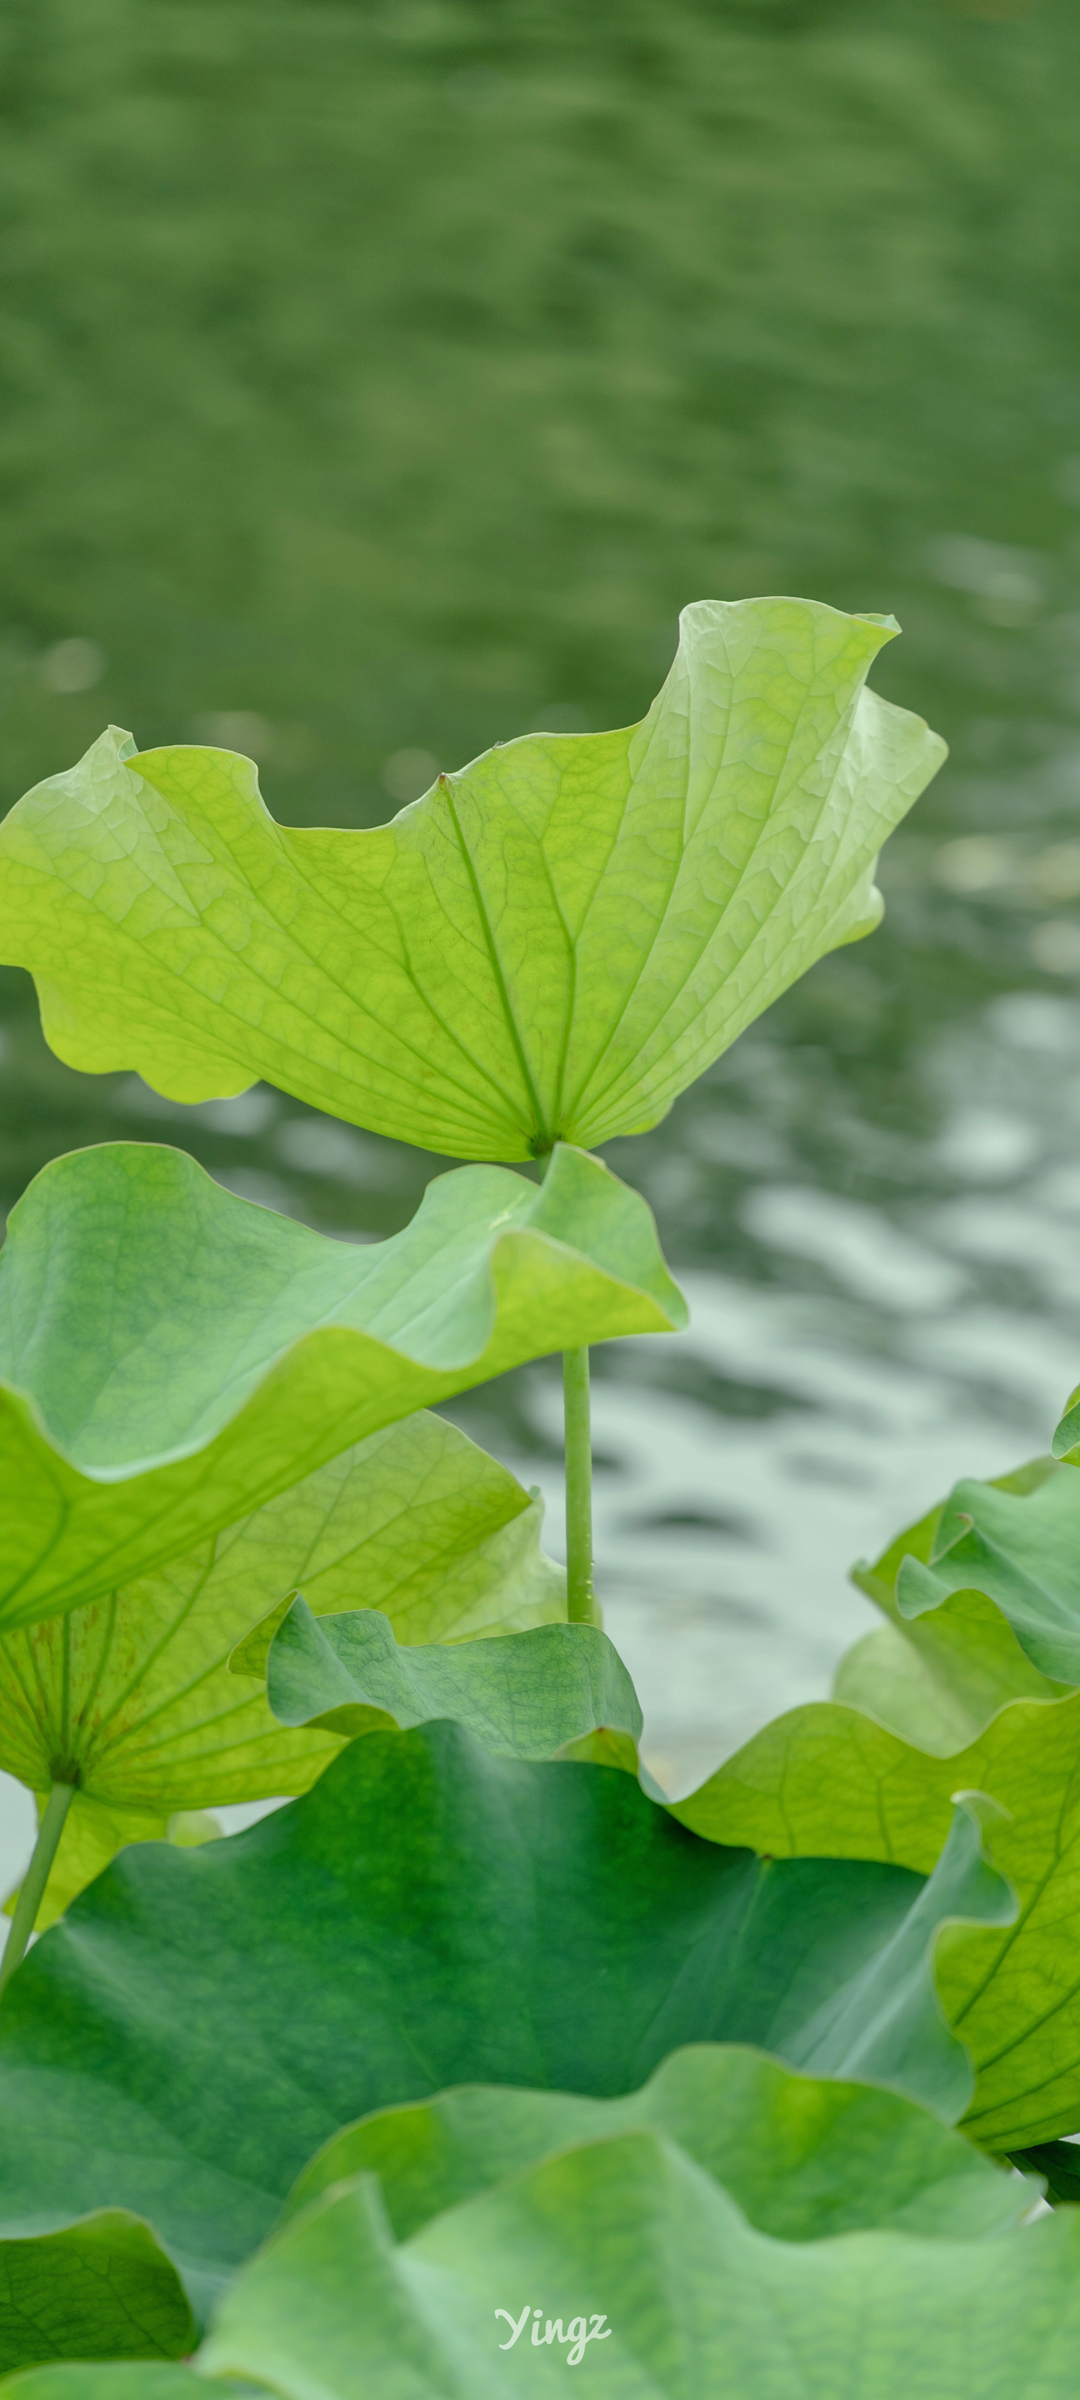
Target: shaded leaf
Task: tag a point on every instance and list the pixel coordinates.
(1058, 2163)
(523, 1696)
(802, 2157)
(202, 2021)
(174, 1355)
(101, 2288)
(937, 1679)
(549, 946)
(632, 2242)
(826, 1779)
(131, 1696)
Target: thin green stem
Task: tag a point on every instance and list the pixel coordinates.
(36, 1878)
(579, 1551)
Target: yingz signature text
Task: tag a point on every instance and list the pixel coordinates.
(579, 2331)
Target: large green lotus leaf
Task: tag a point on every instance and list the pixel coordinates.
(101, 2288)
(827, 1780)
(132, 1695)
(1023, 1552)
(548, 946)
(625, 2257)
(803, 2157)
(524, 1696)
(175, 1355)
(937, 1679)
(203, 2020)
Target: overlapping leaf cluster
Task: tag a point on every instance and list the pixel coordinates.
(479, 2060)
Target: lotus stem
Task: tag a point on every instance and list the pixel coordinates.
(35, 1879)
(580, 1604)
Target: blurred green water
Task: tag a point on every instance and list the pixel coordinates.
(379, 381)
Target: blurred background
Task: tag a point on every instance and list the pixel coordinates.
(377, 382)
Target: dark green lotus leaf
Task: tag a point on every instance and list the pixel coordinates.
(937, 1679)
(1023, 1552)
(624, 2257)
(174, 1356)
(1058, 2165)
(101, 2288)
(803, 2157)
(828, 1779)
(550, 945)
(523, 1695)
(203, 2020)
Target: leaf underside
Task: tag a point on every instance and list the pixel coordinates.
(828, 1780)
(137, 1696)
(549, 946)
(174, 1356)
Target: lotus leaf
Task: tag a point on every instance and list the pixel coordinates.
(101, 2288)
(626, 2254)
(523, 1696)
(92, 1835)
(131, 1696)
(937, 1679)
(826, 1779)
(802, 2156)
(203, 2020)
(549, 946)
(1023, 1552)
(175, 1356)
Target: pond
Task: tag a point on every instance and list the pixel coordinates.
(415, 450)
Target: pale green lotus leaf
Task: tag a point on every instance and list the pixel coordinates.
(803, 2157)
(937, 1679)
(175, 1356)
(626, 2258)
(1023, 1552)
(1066, 1442)
(826, 1781)
(99, 2288)
(549, 946)
(133, 1698)
(523, 1696)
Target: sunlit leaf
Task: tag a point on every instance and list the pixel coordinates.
(631, 2242)
(549, 946)
(133, 1695)
(523, 1696)
(174, 1356)
(202, 2021)
(101, 2288)
(937, 1679)
(828, 1781)
(803, 2157)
